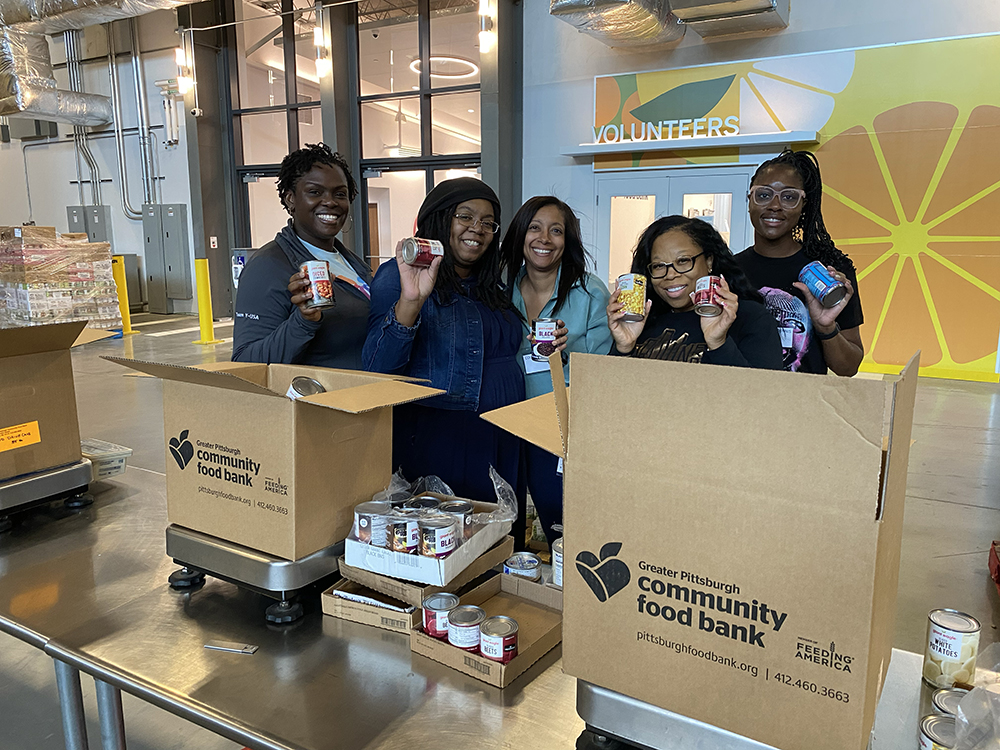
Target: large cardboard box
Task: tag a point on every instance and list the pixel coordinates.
(732, 539)
(247, 464)
(38, 423)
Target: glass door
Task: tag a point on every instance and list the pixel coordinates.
(719, 198)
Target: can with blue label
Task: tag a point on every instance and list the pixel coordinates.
(822, 284)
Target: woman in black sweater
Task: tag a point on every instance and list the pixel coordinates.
(673, 253)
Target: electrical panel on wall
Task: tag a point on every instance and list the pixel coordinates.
(167, 255)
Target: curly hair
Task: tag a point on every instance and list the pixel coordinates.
(299, 162)
(490, 289)
(574, 259)
(811, 230)
(708, 241)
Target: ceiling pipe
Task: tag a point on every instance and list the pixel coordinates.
(80, 136)
(145, 150)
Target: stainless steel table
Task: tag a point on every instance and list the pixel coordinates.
(90, 589)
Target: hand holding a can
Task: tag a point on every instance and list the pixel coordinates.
(561, 333)
(624, 332)
(301, 291)
(716, 328)
(823, 318)
(416, 284)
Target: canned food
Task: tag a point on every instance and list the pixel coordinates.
(463, 626)
(544, 332)
(498, 638)
(821, 284)
(946, 700)
(937, 732)
(632, 295)
(706, 297)
(402, 532)
(557, 562)
(462, 511)
(417, 251)
(422, 503)
(303, 386)
(436, 610)
(952, 647)
(438, 535)
(523, 564)
(320, 285)
(370, 521)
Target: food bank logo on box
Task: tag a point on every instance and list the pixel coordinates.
(607, 575)
(181, 449)
(217, 461)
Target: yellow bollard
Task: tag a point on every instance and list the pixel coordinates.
(118, 270)
(204, 303)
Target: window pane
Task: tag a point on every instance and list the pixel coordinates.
(393, 202)
(454, 42)
(390, 128)
(310, 125)
(440, 175)
(265, 137)
(261, 64)
(715, 208)
(267, 216)
(455, 119)
(387, 45)
(630, 215)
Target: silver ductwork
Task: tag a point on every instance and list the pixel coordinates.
(620, 23)
(718, 17)
(55, 16)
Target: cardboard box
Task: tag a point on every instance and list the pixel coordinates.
(39, 429)
(393, 616)
(539, 630)
(541, 591)
(415, 593)
(732, 540)
(247, 464)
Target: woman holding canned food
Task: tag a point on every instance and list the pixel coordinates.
(281, 317)
(546, 263)
(809, 285)
(685, 260)
(451, 322)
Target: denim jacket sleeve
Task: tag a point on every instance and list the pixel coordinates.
(389, 343)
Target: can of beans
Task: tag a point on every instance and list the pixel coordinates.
(402, 532)
(952, 647)
(436, 610)
(937, 732)
(303, 386)
(463, 626)
(523, 564)
(946, 700)
(424, 502)
(557, 562)
(417, 251)
(370, 521)
(462, 511)
(498, 638)
(544, 332)
(706, 298)
(821, 284)
(632, 295)
(438, 535)
(320, 285)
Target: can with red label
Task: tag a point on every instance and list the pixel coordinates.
(822, 284)
(463, 626)
(632, 295)
(320, 285)
(402, 531)
(417, 251)
(438, 535)
(498, 638)
(706, 298)
(437, 607)
(543, 330)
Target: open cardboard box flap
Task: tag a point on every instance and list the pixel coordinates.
(200, 376)
(363, 398)
(15, 342)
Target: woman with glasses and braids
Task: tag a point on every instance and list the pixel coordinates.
(789, 233)
(452, 324)
(673, 253)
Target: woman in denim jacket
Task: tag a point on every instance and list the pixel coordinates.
(451, 324)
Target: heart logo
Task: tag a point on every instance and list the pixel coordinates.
(181, 449)
(606, 575)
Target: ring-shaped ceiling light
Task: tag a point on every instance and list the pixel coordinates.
(473, 68)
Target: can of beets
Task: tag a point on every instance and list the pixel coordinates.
(417, 251)
(706, 297)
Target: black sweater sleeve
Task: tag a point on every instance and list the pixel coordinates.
(753, 340)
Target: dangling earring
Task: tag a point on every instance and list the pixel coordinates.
(798, 234)
(348, 225)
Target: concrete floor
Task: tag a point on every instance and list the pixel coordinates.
(952, 516)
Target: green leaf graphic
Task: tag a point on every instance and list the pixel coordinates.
(627, 85)
(686, 102)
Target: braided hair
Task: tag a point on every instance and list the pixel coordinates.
(811, 232)
(299, 162)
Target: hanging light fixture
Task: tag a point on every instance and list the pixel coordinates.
(323, 63)
(185, 79)
(487, 22)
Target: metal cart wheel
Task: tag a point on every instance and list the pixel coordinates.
(284, 612)
(186, 578)
(80, 500)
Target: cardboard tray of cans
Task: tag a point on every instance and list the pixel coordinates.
(539, 631)
(541, 591)
(393, 617)
(415, 593)
(435, 571)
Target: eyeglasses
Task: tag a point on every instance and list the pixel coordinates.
(681, 265)
(467, 220)
(787, 197)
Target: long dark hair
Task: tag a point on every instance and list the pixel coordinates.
(810, 231)
(489, 287)
(573, 266)
(708, 241)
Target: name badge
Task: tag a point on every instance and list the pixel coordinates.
(786, 337)
(531, 366)
(559, 467)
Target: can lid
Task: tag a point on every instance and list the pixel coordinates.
(499, 626)
(455, 506)
(440, 602)
(523, 561)
(940, 729)
(558, 544)
(307, 386)
(409, 250)
(439, 521)
(424, 501)
(946, 700)
(373, 507)
(952, 619)
(467, 614)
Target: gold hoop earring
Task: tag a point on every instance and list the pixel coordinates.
(348, 225)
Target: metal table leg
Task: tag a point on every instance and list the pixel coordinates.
(71, 706)
(109, 710)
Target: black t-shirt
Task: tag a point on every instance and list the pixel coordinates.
(774, 278)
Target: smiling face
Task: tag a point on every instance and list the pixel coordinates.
(773, 222)
(545, 239)
(468, 243)
(676, 288)
(319, 205)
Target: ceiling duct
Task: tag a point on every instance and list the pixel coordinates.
(621, 23)
(716, 17)
(56, 16)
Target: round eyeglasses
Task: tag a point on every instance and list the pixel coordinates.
(787, 197)
(470, 221)
(681, 265)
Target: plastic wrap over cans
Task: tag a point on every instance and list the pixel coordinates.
(621, 23)
(54, 16)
